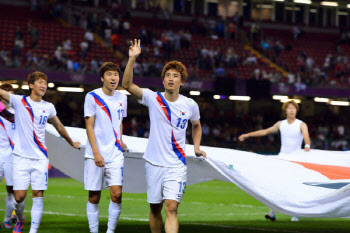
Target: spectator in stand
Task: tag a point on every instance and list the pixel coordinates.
(250, 60)
(115, 42)
(108, 38)
(126, 27)
(76, 66)
(89, 36)
(188, 39)
(291, 78)
(220, 29)
(300, 86)
(146, 65)
(67, 45)
(94, 65)
(115, 25)
(19, 37)
(301, 63)
(220, 72)
(84, 46)
(35, 37)
(265, 45)
(143, 35)
(82, 66)
(253, 31)
(278, 48)
(296, 32)
(166, 16)
(232, 29)
(4, 59)
(70, 65)
(58, 53)
(309, 64)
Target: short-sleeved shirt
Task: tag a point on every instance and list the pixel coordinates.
(169, 121)
(109, 112)
(31, 118)
(7, 134)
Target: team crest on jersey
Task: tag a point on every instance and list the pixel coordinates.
(43, 111)
(121, 105)
(182, 113)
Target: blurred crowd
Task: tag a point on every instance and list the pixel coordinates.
(221, 128)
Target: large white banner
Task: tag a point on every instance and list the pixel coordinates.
(304, 184)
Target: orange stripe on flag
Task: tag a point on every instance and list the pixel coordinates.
(330, 171)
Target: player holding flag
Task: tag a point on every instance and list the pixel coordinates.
(104, 110)
(30, 162)
(7, 133)
(169, 112)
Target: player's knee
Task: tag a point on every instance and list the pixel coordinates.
(94, 197)
(116, 196)
(38, 193)
(19, 198)
(171, 208)
(156, 209)
(94, 200)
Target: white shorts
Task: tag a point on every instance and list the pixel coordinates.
(98, 178)
(6, 172)
(165, 183)
(30, 171)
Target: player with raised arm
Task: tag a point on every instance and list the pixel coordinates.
(293, 132)
(169, 112)
(30, 160)
(7, 133)
(104, 110)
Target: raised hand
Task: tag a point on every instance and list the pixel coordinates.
(135, 48)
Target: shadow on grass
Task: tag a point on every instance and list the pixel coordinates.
(309, 225)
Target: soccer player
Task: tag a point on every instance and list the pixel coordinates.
(30, 161)
(169, 112)
(7, 132)
(292, 130)
(104, 110)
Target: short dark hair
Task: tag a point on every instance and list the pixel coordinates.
(109, 66)
(178, 66)
(36, 76)
(7, 87)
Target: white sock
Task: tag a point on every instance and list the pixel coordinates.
(114, 211)
(9, 207)
(37, 214)
(92, 214)
(272, 212)
(19, 208)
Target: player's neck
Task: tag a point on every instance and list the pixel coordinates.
(34, 97)
(108, 91)
(171, 96)
(291, 119)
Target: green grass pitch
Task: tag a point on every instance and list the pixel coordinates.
(213, 206)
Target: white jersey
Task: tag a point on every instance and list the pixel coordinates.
(291, 136)
(31, 118)
(7, 133)
(169, 120)
(109, 112)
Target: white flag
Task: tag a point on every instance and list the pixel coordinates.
(304, 184)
